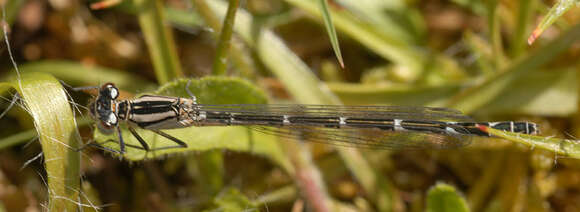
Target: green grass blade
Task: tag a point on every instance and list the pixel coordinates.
(238, 54)
(18, 138)
(223, 47)
(159, 39)
(476, 97)
(331, 31)
(74, 73)
(549, 86)
(368, 94)
(443, 198)
(47, 103)
(524, 17)
(563, 147)
(555, 12)
(493, 20)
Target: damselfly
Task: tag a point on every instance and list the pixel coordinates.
(390, 127)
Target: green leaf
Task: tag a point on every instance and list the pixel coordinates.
(444, 198)
(208, 90)
(493, 24)
(555, 12)
(564, 147)
(75, 73)
(524, 17)
(233, 200)
(47, 103)
(159, 39)
(331, 31)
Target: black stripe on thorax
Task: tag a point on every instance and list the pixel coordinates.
(154, 104)
(150, 110)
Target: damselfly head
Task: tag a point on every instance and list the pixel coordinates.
(104, 107)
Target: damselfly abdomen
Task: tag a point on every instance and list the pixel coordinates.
(387, 127)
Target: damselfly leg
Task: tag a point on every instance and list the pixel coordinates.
(143, 144)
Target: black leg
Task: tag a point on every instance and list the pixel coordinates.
(176, 140)
(79, 88)
(139, 138)
(90, 143)
(121, 141)
(144, 146)
(100, 146)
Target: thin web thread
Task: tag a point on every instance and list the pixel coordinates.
(5, 29)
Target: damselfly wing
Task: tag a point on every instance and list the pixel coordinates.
(379, 127)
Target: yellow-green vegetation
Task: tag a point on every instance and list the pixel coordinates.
(493, 60)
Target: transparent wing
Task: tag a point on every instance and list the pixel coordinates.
(370, 138)
(353, 126)
(392, 112)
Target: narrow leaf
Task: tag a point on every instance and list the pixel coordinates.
(564, 147)
(331, 30)
(476, 97)
(159, 39)
(47, 103)
(555, 12)
(223, 47)
(75, 73)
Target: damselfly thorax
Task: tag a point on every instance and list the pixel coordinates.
(148, 112)
(390, 127)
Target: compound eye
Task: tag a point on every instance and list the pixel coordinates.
(109, 89)
(114, 92)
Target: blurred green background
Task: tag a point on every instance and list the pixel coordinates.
(474, 56)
